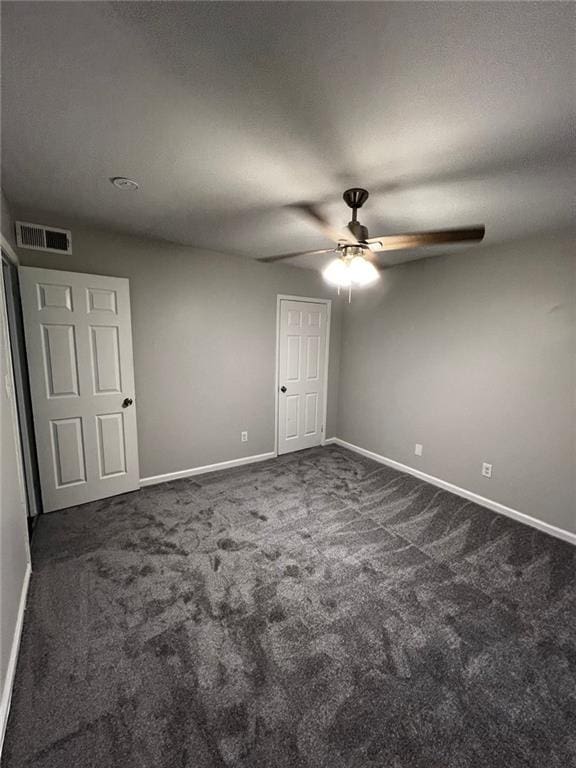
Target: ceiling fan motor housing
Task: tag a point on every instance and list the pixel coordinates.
(359, 231)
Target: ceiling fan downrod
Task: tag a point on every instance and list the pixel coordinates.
(355, 199)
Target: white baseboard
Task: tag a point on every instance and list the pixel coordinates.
(11, 670)
(207, 468)
(495, 506)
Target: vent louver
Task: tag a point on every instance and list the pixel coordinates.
(38, 238)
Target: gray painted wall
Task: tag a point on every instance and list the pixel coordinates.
(473, 356)
(204, 328)
(14, 554)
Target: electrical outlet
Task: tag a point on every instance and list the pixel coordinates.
(244, 437)
(486, 469)
(418, 448)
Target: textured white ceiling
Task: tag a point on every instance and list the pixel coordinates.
(227, 113)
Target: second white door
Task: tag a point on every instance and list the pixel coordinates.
(303, 336)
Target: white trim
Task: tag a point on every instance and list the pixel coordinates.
(207, 468)
(495, 506)
(326, 364)
(8, 250)
(328, 302)
(12, 398)
(11, 670)
(6, 693)
(288, 297)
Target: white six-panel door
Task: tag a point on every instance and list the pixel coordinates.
(303, 337)
(79, 347)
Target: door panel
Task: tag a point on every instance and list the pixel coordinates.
(302, 360)
(68, 450)
(314, 319)
(100, 300)
(293, 361)
(79, 347)
(106, 375)
(294, 318)
(292, 415)
(311, 415)
(60, 364)
(55, 297)
(312, 357)
(111, 444)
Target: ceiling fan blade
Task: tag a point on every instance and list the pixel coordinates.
(418, 239)
(338, 235)
(384, 267)
(282, 256)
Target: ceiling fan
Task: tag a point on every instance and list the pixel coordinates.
(356, 263)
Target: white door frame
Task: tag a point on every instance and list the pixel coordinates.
(328, 302)
(8, 250)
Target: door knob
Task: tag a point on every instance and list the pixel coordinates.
(282, 389)
(127, 401)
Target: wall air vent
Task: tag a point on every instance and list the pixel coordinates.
(39, 238)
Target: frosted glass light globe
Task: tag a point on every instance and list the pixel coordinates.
(338, 273)
(363, 272)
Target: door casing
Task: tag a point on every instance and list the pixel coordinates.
(21, 384)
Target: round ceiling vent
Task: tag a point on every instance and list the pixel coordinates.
(122, 183)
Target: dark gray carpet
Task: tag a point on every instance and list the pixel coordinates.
(315, 611)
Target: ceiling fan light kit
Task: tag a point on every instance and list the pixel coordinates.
(351, 268)
(355, 266)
